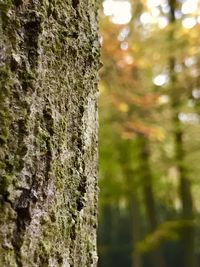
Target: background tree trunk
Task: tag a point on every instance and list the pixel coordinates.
(187, 232)
(127, 159)
(136, 235)
(48, 132)
(157, 256)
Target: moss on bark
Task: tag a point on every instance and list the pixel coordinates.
(49, 57)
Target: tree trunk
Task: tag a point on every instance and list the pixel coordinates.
(48, 133)
(127, 160)
(188, 231)
(136, 235)
(149, 199)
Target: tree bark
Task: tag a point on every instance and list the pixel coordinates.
(49, 57)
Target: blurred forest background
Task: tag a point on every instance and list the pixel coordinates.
(149, 208)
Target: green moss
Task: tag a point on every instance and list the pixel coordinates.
(43, 253)
(5, 5)
(5, 79)
(18, 164)
(4, 121)
(44, 220)
(57, 170)
(5, 181)
(3, 139)
(4, 114)
(41, 139)
(2, 165)
(4, 109)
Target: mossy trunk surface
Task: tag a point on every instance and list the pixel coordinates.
(49, 57)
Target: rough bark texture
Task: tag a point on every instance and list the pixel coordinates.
(49, 54)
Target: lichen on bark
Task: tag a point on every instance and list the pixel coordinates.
(49, 58)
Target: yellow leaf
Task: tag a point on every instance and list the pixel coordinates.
(123, 107)
(158, 133)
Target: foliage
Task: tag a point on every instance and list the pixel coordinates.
(138, 89)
